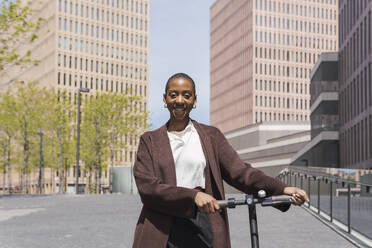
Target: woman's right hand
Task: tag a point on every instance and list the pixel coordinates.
(206, 203)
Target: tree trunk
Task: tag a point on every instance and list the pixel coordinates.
(9, 168)
(53, 171)
(4, 169)
(112, 149)
(96, 178)
(95, 156)
(60, 163)
(99, 175)
(90, 180)
(41, 168)
(24, 178)
(96, 175)
(65, 174)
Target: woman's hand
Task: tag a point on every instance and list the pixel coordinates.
(206, 203)
(299, 196)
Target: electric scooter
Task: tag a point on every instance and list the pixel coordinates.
(251, 201)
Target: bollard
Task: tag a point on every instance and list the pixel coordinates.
(348, 208)
(308, 189)
(318, 205)
(295, 180)
(331, 201)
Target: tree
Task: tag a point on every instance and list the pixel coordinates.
(16, 27)
(61, 122)
(123, 117)
(106, 119)
(28, 110)
(95, 133)
(8, 131)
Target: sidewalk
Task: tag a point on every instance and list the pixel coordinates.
(108, 221)
(294, 228)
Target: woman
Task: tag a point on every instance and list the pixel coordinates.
(179, 172)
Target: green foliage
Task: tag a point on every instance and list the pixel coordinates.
(106, 119)
(103, 117)
(16, 27)
(61, 125)
(26, 110)
(7, 114)
(29, 110)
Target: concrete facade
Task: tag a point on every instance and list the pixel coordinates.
(101, 45)
(355, 76)
(262, 53)
(323, 149)
(269, 146)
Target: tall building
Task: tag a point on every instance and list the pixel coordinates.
(355, 77)
(262, 53)
(97, 44)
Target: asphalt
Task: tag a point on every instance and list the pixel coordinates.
(108, 221)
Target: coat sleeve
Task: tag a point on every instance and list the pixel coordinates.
(155, 195)
(241, 175)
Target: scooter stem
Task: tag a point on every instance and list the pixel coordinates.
(253, 222)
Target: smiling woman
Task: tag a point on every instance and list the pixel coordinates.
(179, 172)
(180, 99)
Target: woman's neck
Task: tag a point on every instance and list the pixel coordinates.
(177, 125)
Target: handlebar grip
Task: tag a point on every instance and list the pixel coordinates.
(281, 198)
(223, 203)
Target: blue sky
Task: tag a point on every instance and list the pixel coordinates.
(179, 42)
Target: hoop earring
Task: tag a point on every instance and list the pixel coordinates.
(194, 106)
(165, 105)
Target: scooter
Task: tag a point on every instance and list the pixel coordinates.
(251, 201)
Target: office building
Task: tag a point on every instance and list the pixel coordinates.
(323, 149)
(262, 53)
(355, 58)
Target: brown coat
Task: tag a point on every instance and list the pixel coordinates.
(155, 176)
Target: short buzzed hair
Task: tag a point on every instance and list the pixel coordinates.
(180, 75)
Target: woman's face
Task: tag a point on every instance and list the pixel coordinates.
(180, 98)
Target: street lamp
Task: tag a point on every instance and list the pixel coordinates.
(41, 168)
(84, 90)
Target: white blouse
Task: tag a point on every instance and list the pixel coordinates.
(188, 157)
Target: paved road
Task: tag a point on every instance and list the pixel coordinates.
(108, 221)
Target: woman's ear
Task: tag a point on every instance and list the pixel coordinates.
(164, 98)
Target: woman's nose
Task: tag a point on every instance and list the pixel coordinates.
(179, 99)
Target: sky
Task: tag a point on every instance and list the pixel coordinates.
(179, 42)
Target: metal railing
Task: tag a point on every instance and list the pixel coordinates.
(343, 202)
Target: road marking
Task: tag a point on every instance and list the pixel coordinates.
(8, 214)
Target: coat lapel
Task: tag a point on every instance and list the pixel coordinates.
(164, 157)
(210, 156)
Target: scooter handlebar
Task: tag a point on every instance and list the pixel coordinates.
(268, 201)
(223, 203)
(281, 198)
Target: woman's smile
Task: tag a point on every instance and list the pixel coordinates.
(179, 109)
